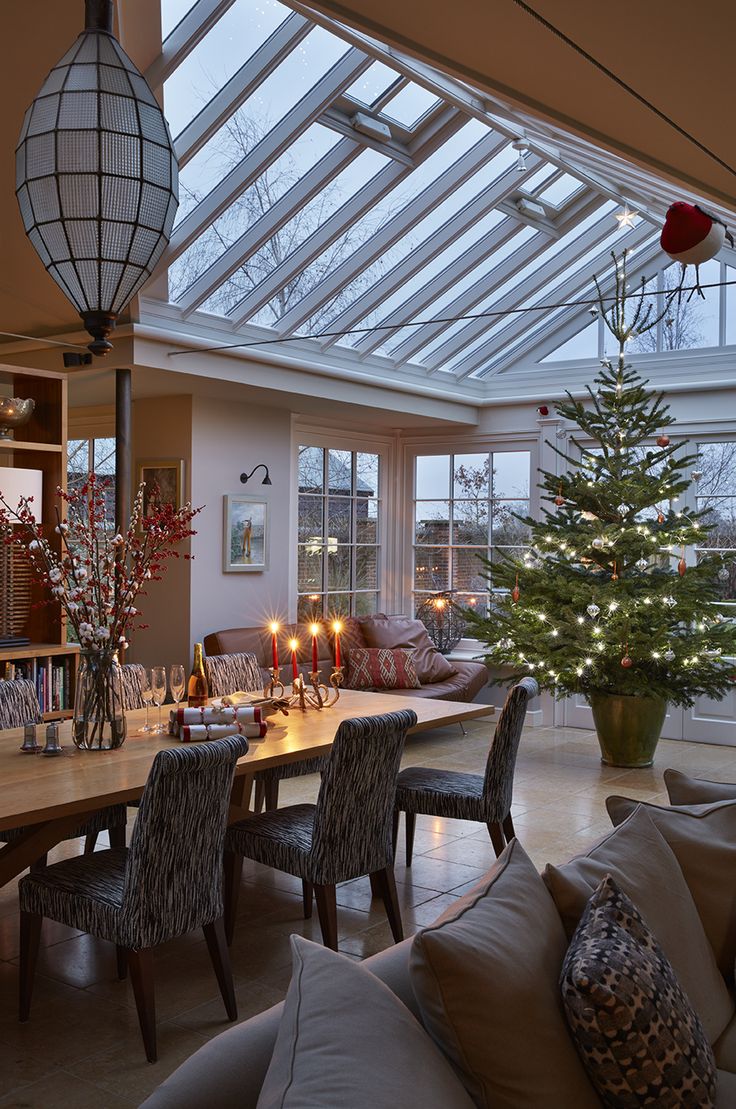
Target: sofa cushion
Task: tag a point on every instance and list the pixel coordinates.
(683, 790)
(637, 856)
(703, 839)
(486, 976)
(346, 1040)
(726, 1090)
(638, 1036)
(400, 631)
(724, 1048)
(381, 668)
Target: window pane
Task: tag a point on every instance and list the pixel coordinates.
(337, 604)
(366, 604)
(340, 472)
(310, 569)
(433, 476)
(366, 471)
(467, 570)
(410, 104)
(431, 568)
(507, 530)
(471, 475)
(722, 519)
(311, 469)
(77, 466)
(309, 608)
(338, 568)
(432, 521)
(366, 567)
(470, 522)
(726, 582)
(474, 602)
(339, 511)
(693, 321)
(511, 474)
(717, 463)
(310, 519)
(366, 523)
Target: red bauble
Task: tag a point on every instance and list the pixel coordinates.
(663, 440)
(559, 501)
(660, 518)
(627, 661)
(681, 567)
(515, 594)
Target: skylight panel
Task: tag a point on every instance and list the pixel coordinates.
(279, 93)
(372, 84)
(536, 180)
(582, 345)
(234, 38)
(410, 104)
(172, 13)
(560, 191)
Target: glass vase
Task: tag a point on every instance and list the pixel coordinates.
(99, 712)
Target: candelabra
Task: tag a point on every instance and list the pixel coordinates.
(311, 694)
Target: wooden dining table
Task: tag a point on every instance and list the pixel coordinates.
(49, 796)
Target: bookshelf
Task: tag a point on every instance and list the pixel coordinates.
(41, 445)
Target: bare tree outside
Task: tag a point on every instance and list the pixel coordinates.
(681, 327)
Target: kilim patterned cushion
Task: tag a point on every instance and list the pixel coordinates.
(382, 668)
(637, 1034)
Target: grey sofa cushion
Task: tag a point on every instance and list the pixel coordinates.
(401, 631)
(346, 1040)
(683, 790)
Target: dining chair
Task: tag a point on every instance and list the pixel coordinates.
(167, 883)
(18, 706)
(132, 676)
(345, 835)
(228, 673)
(485, 798)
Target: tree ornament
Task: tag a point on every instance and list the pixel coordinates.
(588, 515)
(593, 610)
(614, 575)
(627, 661)
(696, 474)
(660, 518)
(682, 565)
(515, 592)
(691, 237)
(663, 440)
(597, 542)
(723, 573)
(669, 655)
(622, 509)
(559, 499)
(642, 564)
(669, 601)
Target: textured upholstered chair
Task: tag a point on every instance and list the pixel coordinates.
(345, 835)
(18, 706)
(133, 678)
(485, 798)
(168, 882)
(228, 673)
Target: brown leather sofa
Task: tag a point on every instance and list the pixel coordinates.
(463, 684)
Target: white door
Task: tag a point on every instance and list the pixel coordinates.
(711, 721)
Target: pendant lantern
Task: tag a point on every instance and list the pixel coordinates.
(97, 179)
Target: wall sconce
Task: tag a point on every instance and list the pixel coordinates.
(261, 466)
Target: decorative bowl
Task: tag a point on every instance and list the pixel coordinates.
(14, 412)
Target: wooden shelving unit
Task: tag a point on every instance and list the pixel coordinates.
(41, 444)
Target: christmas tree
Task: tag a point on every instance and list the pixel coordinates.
(607, 598)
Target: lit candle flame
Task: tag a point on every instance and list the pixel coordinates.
(274, 627)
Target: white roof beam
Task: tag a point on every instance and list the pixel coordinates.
(268, 224)
(433, 245)
(184, 37)
(575, 280)
(442, 125)
(391, 231)
(494, 278)
(240, 86)
(294, 123)
(563, 326)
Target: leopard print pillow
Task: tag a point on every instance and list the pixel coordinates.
(637, 1034)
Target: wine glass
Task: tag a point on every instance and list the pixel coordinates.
(147, 695)
(158, 688)
(177, 682)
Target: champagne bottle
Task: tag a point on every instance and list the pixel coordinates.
(197, 691)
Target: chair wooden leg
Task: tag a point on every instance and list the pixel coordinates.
(117, 836)
(307, 896)
(30, 940)
(496, 833)
(375, 890)
(395, 831)
(122, 957)
(272, 794)
(260, 796)
(214, 933)
(326, 899)
(90, 843)
(411, 820)
(140, 964)
(233, 874)
(508, 828)
(387, 886)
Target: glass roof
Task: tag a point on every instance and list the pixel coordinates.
(331, 185)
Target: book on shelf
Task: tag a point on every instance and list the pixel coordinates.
(51, 676)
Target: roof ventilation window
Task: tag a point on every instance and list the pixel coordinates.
(369, 125)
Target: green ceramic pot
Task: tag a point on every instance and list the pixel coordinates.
(628, 727)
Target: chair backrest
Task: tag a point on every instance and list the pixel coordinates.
(228, 673)
(18, 703)
(354, 814)
(132, 675)
(173, 878)
(498, 785)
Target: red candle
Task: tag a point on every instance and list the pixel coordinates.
(274, 645)
(294, 643)
(337, 628)
(314, 629)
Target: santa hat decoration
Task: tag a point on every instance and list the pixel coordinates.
(690, 235)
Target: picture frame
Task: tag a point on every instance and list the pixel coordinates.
(168, 475)
(245, 534)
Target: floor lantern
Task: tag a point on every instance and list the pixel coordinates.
(96, 176)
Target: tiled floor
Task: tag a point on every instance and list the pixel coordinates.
(82, 1048)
